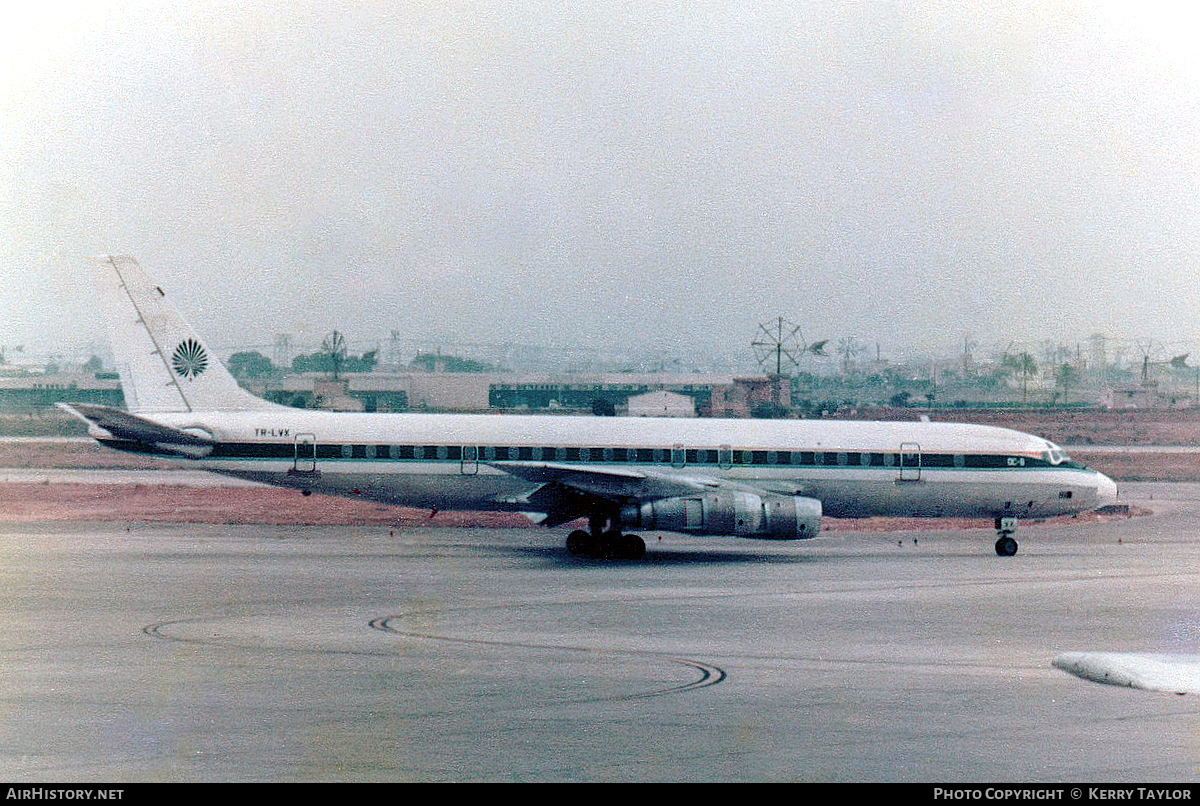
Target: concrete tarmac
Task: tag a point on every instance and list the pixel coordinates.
(251, 653)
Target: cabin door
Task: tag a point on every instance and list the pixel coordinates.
(304, 460)
(725, 457)
(678, 457)
(470, 460)
(910, 461)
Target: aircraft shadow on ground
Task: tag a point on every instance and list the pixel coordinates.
(559, 556)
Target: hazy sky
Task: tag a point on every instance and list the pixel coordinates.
(608, 173)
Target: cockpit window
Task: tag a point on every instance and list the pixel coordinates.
(1055, 455)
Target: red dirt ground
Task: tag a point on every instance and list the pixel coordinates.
(179, 504)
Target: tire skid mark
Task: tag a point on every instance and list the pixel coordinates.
(710, 675)
(232, 641)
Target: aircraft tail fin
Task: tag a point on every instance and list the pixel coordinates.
(164, 365)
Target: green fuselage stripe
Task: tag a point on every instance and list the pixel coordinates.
(669, 457)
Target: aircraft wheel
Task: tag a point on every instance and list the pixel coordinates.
(610, 546)
(579, 543)
(1006, 546)
(631, 547)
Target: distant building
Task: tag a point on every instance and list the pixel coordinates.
(582, 391)
(378, 391)
(28, 392)
(661, 404)
(1142, 396)
(747, 396)
(638, 394)
(332, 396)
(443, 391)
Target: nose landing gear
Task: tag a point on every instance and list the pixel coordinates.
(1005, 545)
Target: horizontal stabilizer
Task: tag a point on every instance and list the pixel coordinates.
(130, 427)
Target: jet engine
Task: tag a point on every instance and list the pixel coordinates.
(737, 513)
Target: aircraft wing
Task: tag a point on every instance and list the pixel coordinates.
(611, 483)
(570, 491)
(125, 426)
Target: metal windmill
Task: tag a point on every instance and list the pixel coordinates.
(1146, 348)
(782, 345)
(334, 346)
(849, 348)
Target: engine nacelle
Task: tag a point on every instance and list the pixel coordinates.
(733, 513)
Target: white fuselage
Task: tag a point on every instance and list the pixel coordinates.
(854, 469)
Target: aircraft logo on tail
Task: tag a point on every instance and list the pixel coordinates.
(189, 359)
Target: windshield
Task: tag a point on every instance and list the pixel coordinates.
(1055, 455)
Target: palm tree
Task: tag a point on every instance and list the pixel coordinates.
(1024, 365)
(1066, 376)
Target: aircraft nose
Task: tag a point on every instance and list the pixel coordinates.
(1106, 490)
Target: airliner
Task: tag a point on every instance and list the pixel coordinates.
(769, 479)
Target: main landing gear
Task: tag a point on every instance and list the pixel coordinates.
(1005, 545)
(601, 543)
